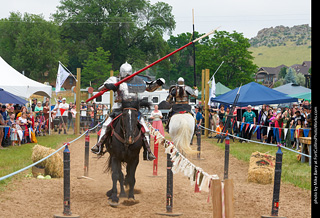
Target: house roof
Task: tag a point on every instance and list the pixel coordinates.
(271, 70)
(299, 68)
(303, 68)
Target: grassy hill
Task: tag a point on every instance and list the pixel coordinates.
(274, 56)
(281, 45)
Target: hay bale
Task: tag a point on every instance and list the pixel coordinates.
(53, 165)
(261, 168)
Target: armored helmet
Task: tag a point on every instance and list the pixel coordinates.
(125, 70)
(180, 81)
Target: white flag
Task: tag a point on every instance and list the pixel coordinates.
(62, 75)
(213, 92)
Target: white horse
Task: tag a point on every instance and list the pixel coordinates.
(181, 128)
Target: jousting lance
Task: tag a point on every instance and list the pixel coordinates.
(154, 63)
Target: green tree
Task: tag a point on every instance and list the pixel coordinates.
(131, 30)
(300, 79)
(181, 63)
(290, 76)
(232, 48)
(32, 44)
(96, 68)
(283, 72)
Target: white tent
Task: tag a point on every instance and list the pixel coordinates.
(14, 82)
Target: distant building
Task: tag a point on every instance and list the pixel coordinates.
(269, 75)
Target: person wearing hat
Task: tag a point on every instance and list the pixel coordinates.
(63, 107)
(248, 117)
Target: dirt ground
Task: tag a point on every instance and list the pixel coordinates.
(32, 197)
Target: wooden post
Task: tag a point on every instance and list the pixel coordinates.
(228, 198)
(202, 87)
(216, 198)
(77, 124)
(111, 93)
(206, 106)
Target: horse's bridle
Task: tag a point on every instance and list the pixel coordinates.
(119, 137)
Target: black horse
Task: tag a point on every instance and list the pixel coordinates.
(124, 146)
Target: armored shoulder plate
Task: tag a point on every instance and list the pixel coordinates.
(189, 90)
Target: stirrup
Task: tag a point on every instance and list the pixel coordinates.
(93, 150)
(150, 156)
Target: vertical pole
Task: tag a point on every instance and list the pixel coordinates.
(169, 204)
(86, 154)
(66, 181)
(216, 198)
(111, 93)
(66, 186)
(228, 198)
(169, 194)
(206, 106)
(77, 125)
(155, 162)
(202, 87)
(194, 53)
(276, 185)
(226, 157)
(198, 133)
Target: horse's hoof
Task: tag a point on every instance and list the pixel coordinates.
(113, 204)
(130, 202)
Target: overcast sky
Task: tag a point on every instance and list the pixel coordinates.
(244, 16)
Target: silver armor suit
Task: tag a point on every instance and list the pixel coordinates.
(129, 90)
(179, 93)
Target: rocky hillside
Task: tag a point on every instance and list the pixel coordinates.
(281, 35)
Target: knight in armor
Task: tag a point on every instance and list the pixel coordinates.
(127, 91)
(179, 97)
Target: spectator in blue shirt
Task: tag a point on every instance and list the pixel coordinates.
(199, 116)
(4, 113)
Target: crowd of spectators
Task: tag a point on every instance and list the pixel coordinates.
(272, 124)
(21, 124)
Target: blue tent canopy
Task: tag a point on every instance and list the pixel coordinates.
(7, 97)
(254, 94)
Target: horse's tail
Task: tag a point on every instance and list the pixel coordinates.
(184, 134)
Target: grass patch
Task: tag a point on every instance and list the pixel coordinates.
(17, 157)
(275, 56)
(293, 171)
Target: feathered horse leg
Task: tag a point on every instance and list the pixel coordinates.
(115, 168)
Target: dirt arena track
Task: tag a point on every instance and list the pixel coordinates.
(44, 198)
